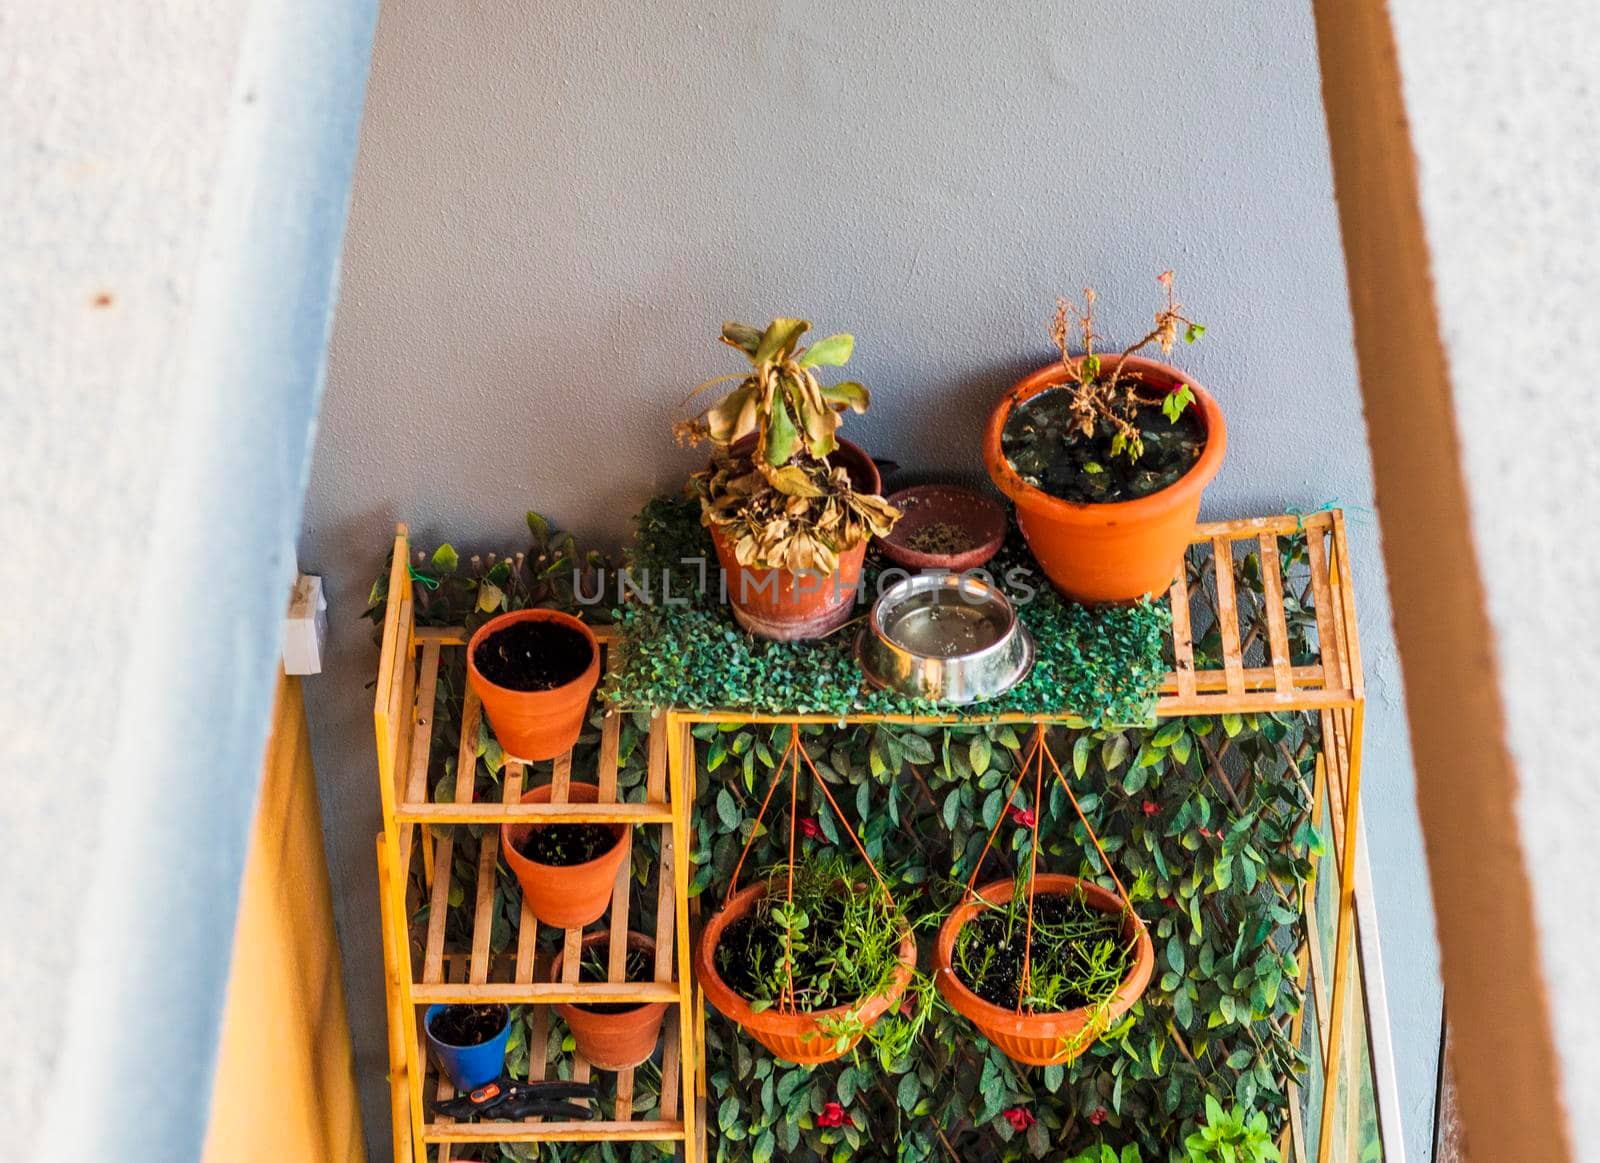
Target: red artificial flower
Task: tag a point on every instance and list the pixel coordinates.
(1150, 807)
(1170, 902)
(1020, 1118)
(809, 828)
(832, 1115)
(1022, 817)
(1206, 832)
(1097, 1116)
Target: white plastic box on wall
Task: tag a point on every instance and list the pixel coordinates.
(307, 629)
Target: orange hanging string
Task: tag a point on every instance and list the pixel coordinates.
(1033, 867)
(845, 824)
(1127, 901)
(794, 800)
(1022, 770)
(733, 884)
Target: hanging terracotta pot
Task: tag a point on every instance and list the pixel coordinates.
(613, 1037)
(801, 1038)
(788, 605)
(565, 896)
(535, 724)
(1043, 1039)
(1119, 551)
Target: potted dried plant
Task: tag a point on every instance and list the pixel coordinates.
(809, 964)
(1043, 987)
(790, 506)
(1106, 456)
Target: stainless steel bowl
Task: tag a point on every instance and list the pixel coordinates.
(946, 637)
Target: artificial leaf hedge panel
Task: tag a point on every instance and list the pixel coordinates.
(1209, 823)
(1098, 666)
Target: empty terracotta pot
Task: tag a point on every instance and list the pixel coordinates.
(788, 605)
(978, 522)
(566, 896)
(615, 1040)
(1119, 551)
(1042, 1039)
(794, 1037)
(534, 725)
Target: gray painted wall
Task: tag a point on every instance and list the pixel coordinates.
(556, 207)
(171, 241)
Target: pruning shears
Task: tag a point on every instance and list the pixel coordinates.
(510, 1098)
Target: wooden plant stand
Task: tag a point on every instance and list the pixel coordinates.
(1258, 675)
(421, 967)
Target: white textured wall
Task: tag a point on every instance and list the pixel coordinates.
(1504, 104)
(176, 177)
(557, 205)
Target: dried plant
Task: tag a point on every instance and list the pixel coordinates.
(780, 503)
(1112, 396)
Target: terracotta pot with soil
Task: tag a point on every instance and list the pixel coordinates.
(806, 1038)
(987, 996)
(567, 871)
(534, 670)
(613, 1036)
(1104, 528)
(786, 604)
(944, 527)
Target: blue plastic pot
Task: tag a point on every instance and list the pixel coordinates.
(469, 1067)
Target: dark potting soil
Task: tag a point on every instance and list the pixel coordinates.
(533, 656)
(564, 845)
(1001, 979)
(1047, 450)
(755, 941)
(941, 537)
(641, 966)
(467, 1025)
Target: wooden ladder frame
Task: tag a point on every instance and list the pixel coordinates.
(403, 714)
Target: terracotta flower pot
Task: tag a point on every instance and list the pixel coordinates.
(1119, 551)
(788, 605)
(616, 1040)
(1042, 1039)
(566, 896)
(975, 517)
(533, 725)
(794, 1037)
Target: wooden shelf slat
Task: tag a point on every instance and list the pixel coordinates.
(1183, 677)
(545, 992)
(566, 1131)
(1277, 625)
(555, 813)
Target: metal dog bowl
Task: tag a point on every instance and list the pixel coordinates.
(945, 637)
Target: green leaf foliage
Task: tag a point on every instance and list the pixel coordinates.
(1097, 666)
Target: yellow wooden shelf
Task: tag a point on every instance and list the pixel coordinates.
(426, 964)
(1247, 666)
